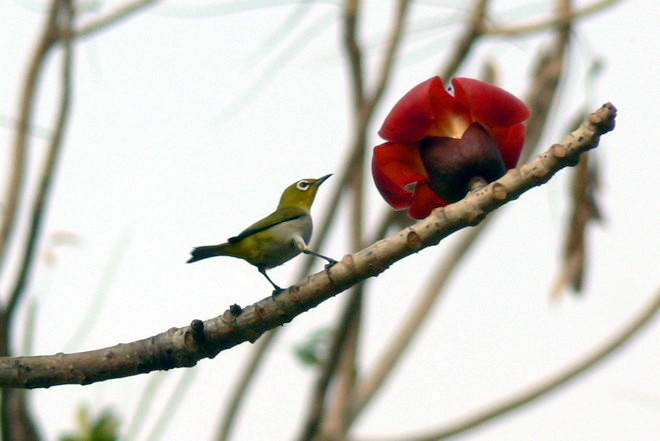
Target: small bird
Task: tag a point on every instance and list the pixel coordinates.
(277, 238)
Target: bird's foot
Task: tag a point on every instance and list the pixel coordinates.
(277, 291)
(330, 264)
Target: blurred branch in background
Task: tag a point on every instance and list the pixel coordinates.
(116, 16)
(585, 212)
(547, 384)
(17, 422)
(561, 20)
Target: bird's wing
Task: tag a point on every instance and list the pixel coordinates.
(275, 218)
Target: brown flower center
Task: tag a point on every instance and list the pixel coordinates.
(451, 163)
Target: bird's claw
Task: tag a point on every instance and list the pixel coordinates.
(277, 291)
(330, 264)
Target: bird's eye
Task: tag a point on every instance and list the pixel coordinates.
(303, 185)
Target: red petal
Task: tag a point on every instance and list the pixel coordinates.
(394, 166)
(413, 116)
(510, 141)
(489, 104)
(424, 200)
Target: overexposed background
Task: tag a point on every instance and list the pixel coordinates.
(188, 123)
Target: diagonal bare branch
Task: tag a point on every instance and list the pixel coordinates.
(63, 33)
(18, 161)
(467, 40)
(112, 18)
(549, 384)
(553, 22)
(183, 347)
(240, 388)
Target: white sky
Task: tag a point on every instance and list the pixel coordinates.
(151, 168)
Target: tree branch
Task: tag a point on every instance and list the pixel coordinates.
(549, 23)
(183, 347)
(240, 388)
(17, 169)
(122, 12)
(50, 164)
(467, 40)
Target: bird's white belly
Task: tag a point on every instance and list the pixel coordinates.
(282, 248)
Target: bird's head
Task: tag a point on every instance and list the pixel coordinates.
(301, 193)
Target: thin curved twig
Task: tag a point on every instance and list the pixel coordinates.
(387, 65)
(353, 50)
(544, 387)
(241, 386)
(39, 206)
(311, 426)
(549, 71)
(414, 319)
(122, 12)
(12, 198)
(549, 23)
(468, 39)
(16, 418)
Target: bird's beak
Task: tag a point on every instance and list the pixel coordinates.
(321, 180)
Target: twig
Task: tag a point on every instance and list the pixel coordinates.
(353, 50)
(16, 174)
(584, 211)
(386, 66)
(414, 319)
(91, 316)
(317, 403)
(549, 23)
(112, 18)
(17, 421)
(240, 388)
(143, 407)
(39, 206)
(175, 399)
(183, 347)
(48, 40)
(548, 73)
(335, 422)
(544, 387)
(467, 40)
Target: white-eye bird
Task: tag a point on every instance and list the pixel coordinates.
(277, 238)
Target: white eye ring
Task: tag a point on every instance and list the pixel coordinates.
(303, 185)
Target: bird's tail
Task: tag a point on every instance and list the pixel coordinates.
(200, 253)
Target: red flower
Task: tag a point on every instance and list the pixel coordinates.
(438, 142)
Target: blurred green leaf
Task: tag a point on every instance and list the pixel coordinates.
(312, 351)
(102, 428)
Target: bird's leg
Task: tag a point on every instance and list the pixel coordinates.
(302, 246)
(277, 289)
